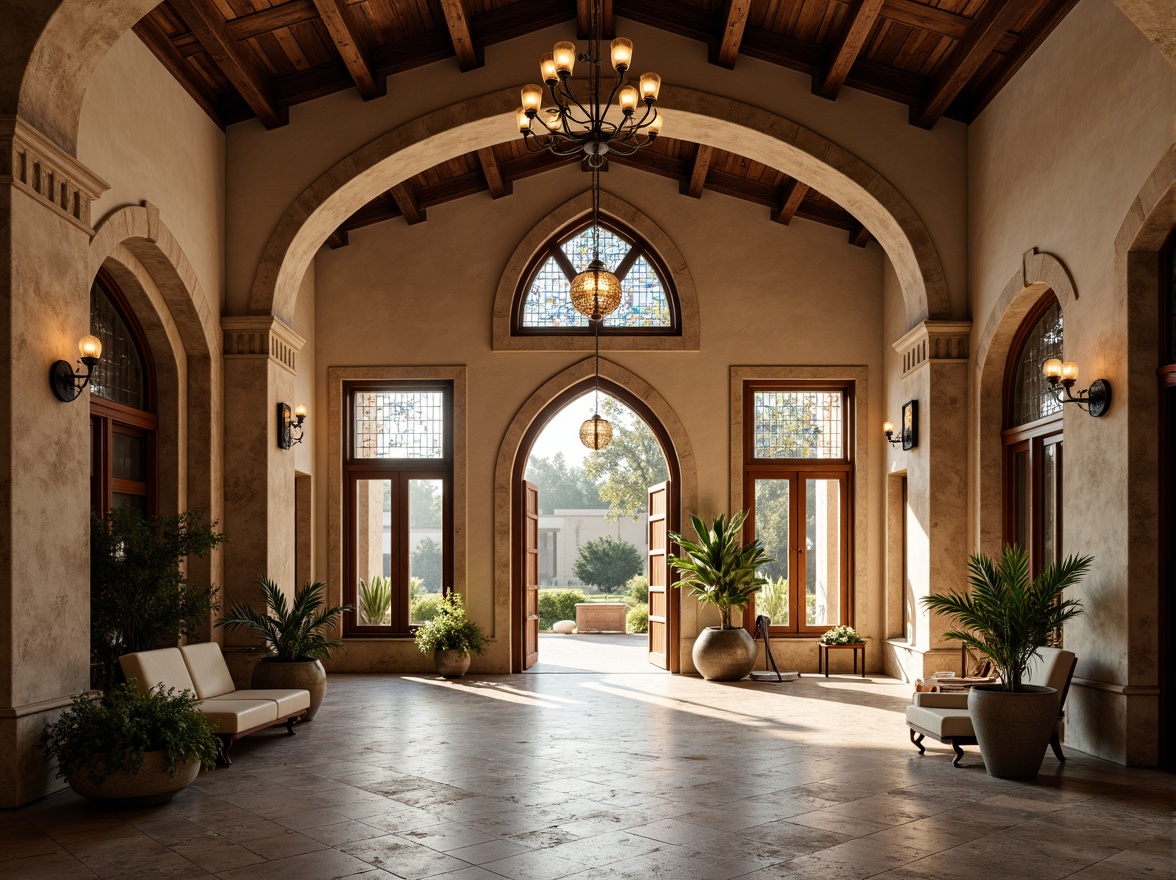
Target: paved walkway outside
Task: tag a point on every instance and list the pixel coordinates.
(611, 653)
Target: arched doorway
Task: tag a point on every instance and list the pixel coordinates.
(664, 515)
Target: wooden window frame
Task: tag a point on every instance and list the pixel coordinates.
(400, 471)
(552, 247)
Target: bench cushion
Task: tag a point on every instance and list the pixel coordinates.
(289, 701)
(153, 667)
(944, 723)
(941, 701)
(1050, 667)
(235, 716)
(207, 667)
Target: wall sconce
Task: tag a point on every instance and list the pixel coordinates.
(287, 426)
(1095, 400)
(909, 437)
(67, 384)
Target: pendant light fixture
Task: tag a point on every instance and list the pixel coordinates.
(596, 292)
(596, 432)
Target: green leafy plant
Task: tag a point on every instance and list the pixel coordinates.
(720, 569)
(556, 605)
(841, 635)
(1008, 615)
(103, 737)
(607, 563)
(289, 632)
(375, 601)
(140, 597)
(424, 608)
(637, 620)
(451, 630)
(772, 600)
(638, 589)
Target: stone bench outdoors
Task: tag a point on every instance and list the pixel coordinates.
(601, 616)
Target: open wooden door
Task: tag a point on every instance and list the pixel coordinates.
(659, 570)
(530, 510)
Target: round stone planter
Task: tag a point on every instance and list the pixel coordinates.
(724, 654)
(452, 663)
(1013, 729)
(307, 675)
(150, 785)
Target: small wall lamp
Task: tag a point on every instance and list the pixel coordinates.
(287, 426)
(1095, 400)
(67, 384)
(909, 436)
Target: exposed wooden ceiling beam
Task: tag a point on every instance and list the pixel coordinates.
(153, 37)
(208, 24)
(985, 32)
(734, 22)
(790, 200)
(469, 55)
(694, 185)
(406, 201)
(859, 236)
(608, 24)
(859, 22)
(338, 239)
(337, 18)
(495, 182)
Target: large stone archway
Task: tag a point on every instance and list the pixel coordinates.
(697, 116)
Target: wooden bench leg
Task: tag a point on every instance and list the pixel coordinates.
(959, 753)
(226, 744)
(918, 741)
(290, 722)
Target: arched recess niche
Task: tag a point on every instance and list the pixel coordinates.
(516, 447)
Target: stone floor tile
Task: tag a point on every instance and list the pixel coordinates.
(343, 832)
(58, 865)
(490, 851)
(447, 836)
(402, 857)
(673, 831)
(326, 864)
(535, 865)
(282, 846)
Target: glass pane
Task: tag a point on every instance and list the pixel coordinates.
(1033, 397)
(579, 249)
(643, 299)
(399, 424)
(133, 502)
(772, 502)
(822, 547)
(799, 424)
(549, 301)
(373, 552)
(1050, 479)
(1021, 501)
(426, 543)
(118, 375)
(129, 457)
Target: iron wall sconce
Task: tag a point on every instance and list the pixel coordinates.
(909, 436)
(290, 429)
(1095, 400)
(67, 384)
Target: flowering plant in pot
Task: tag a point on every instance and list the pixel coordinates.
(1007, 616)
(720, 570)
(293, 637)
(452, 637)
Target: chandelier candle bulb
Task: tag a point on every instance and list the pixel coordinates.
(523, 119)
(547, 69)
(650, 86)
(1069, 372)
(564, 55)
(628, 100)
(654, 127)
(1052, 368)
(300, 411)
(622, 54)
(532, 99)
(90, 347)
(888, 428)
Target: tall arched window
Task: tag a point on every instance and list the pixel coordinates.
(122, 407)
(1032, 438)
(543, 304)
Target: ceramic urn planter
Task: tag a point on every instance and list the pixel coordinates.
(724, 654)
(452, 663)
(1013, 729)
(307, 675)
(150, 785)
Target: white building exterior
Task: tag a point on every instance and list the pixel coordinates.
(563, 533)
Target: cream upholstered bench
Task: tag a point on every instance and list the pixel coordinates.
(202, 669)
(944, 717)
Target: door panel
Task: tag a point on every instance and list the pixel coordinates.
(659, 597)
(530, 574)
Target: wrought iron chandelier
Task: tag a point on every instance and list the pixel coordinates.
(596, 432)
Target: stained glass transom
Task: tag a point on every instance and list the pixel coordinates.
(399, 424)
(644, 303)
(799, 424)
(119, 375)
(1033, 397)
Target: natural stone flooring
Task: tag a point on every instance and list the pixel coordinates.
(612, 653)
(539, 777)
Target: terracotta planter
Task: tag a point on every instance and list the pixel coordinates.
(452, 663)
(724, 654)
(1013, 729)
(149, 786)
(307, 675)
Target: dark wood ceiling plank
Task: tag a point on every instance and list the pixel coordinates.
(731, 36)
(457, 19)
(694, 184)
(498, 185)
(337, 17)
(608, 23)
(983, 35)
(207, 23)
(859, 22)
(149, 31)
(789, 204)
(859, 236)
(407, 202)
(338, 239)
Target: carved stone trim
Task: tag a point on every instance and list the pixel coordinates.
(33, 163)
(261, 336)
(933, 341)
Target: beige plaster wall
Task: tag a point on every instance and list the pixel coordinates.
(304, 382)
(1055, 163)
(423, 295)
(144, 136)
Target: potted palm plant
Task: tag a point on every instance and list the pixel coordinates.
(721, 570)
(293, 638)
(1007, 616)
(452, 637)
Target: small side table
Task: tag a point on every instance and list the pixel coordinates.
(823, 656)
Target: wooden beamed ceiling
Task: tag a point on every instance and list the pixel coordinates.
(255, 58)
(697, 168)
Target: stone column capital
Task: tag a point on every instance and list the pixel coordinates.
(35, 165)
(261, 336)
(933, 341)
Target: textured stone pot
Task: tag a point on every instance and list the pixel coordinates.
(452, 663)
(307, 675)
(1013, 729)
(149, 786)
(724, 654)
